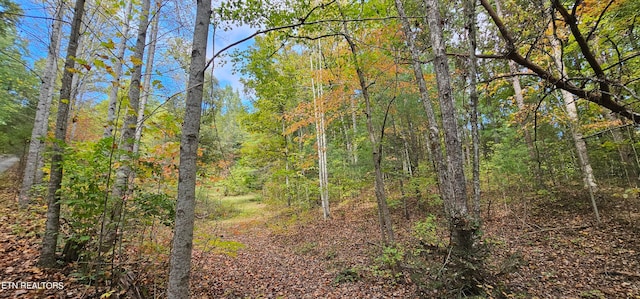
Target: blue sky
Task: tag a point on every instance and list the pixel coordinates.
(36, 30)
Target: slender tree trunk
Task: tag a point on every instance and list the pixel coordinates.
(354, 129)
(52, 226)
(117, 72)
(151, 52)
(470, 12)
(433, 141)
(41, 123)
(384, 217)
(120, 185)
(180, 266)
(285, 137)
(572, 112)
(321, 137)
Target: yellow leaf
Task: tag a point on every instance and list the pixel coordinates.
(109, 45)
(136, 61)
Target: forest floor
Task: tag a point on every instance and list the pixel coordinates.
(545, 247)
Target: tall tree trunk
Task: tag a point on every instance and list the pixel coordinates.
(285, 138)
(433, 141)
(41, 123)
(180, 266)
(52, 226)
(384, 217)
(321, 137)
(151, 52)
(120, 185)
(470, 12)
(462, 230)
(572, 112)
(117, 72)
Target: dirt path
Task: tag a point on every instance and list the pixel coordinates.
(308, 259)
(7, 162)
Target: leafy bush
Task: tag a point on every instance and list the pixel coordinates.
(426, 231)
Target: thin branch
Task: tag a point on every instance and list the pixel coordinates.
(599, 19)
(510, 75)
(600, 97)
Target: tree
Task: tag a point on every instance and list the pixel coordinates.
(180, 260)
(321, 127)
(151, 52)
(471, 29)
(41, 122)
(599, 89)
(386, 227)
(52, 226)
(518, 94)
(117, 71)
(123, 173)
(463, 228)
(578, 141)
(18, 87)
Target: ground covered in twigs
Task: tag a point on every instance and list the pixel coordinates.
(548, 246)
(552, 247)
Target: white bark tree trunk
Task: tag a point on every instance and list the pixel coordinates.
(117, 72)
(572, 112)
(319, 116)
(180, 260)
(458, 212)
(470, 12)
(151, 52)
(41, 123)
(433, 141)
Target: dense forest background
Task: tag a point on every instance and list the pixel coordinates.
(431, 148)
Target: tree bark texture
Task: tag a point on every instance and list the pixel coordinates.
(433, 140)
(41, 122)
(52, 225)
(470, 12)
(180, 260)
(462, 230)
(146, 88)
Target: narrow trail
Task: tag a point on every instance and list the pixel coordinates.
(307, 259)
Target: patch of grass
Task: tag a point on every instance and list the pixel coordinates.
(219, 246)
(593, 294)
(347, 275)
(306, 248)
